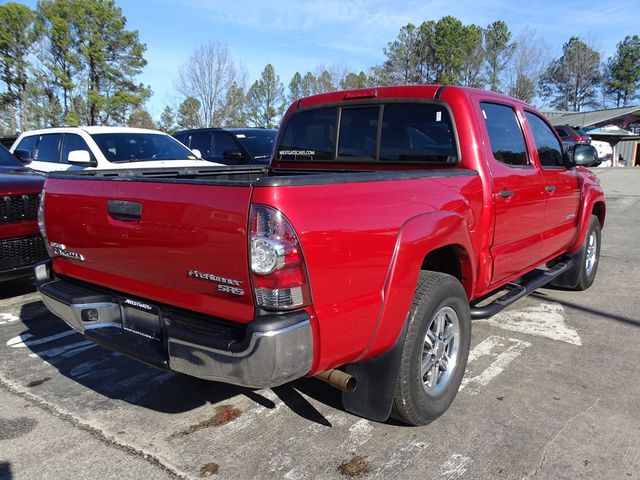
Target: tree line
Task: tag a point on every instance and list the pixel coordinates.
(68, 62)
(71, 62)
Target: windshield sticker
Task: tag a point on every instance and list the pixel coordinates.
(241, 135)
(191, 157)
(297, 153)
(438, 116)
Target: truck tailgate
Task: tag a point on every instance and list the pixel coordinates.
(171, 242)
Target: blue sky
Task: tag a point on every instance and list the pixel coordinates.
(298, 35)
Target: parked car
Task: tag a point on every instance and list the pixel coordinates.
(7, 140)
(605, 153)
(78, 148)
(21, 245)
(571, 136)
(387, 220)
(231, 146)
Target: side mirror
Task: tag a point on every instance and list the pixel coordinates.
(197, 153)
(584, 155)
(79, 157)
(23, 156)
(233, 155)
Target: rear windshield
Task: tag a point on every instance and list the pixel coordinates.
(393, 132)
(259, 143)
(140, 147)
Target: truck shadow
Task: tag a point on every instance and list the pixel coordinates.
(16, 288)
(117, 377)
(593, 311)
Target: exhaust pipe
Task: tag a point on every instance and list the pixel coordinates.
(339, 379)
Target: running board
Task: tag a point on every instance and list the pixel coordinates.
(532, 281)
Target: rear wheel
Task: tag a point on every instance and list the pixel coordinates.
(435, 351)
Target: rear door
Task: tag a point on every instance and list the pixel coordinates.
(518, 192)
(562, 188)
(171, 242)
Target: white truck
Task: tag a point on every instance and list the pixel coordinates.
(101, 148)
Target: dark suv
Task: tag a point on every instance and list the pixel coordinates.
(231, 146)
(572, 136)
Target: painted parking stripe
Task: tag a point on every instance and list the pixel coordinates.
(455, 467)
(544, 320)
(473, 385)
(286, 455)
(6, 318)
(54, 352)
(399, 461)
(22, 341)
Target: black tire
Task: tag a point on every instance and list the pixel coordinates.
(413, 402)
(586, 276)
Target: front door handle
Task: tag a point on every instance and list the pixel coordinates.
(505, 193)
(550, 188)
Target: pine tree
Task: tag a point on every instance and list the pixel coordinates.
(266, 99)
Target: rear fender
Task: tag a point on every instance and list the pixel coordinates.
(417, 238)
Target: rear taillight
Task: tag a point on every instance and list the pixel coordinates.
(41, 225)
(580, 139)
(278, 271)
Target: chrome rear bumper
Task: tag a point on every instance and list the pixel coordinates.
(274, 350)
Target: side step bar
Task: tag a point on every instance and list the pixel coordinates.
(531, 282)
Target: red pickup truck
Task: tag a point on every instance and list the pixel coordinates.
(388, 219)
(20, 243)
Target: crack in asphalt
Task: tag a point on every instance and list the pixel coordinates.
(16, 389)
(558, 433)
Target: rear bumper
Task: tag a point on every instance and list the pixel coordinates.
(270, 351)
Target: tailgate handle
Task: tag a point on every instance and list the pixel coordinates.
(124, 210)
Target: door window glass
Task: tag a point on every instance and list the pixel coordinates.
(47, 149)
(548, 146)
(28, 144)
(505, 134)
(73, 142)
(223, 142)
(201, 141)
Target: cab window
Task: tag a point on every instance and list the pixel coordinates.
(505, 134)
(547, 144)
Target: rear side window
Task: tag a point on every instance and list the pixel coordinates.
(505, 134)
(562, 132)
(47, 149)
(549, 149)
(309, 135)
(417, 133)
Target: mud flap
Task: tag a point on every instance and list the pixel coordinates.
(571, 277)
(377, 380)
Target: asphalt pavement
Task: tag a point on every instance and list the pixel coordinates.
(551, 391)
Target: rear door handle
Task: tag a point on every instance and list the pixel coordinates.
(506, 193)
(550, 188)
(124, 210)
